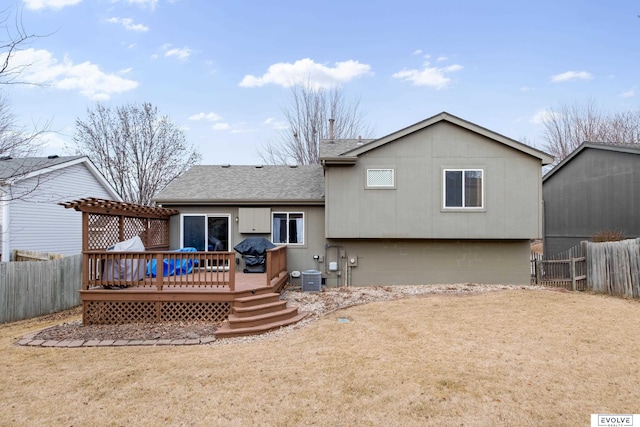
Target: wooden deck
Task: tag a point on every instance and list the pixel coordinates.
(127, 287)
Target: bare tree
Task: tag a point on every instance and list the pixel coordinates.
(568, 126)
(307, 112)
(15, 140)
(16, 37)
(138, 151)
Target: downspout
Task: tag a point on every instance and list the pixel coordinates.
(4, 232)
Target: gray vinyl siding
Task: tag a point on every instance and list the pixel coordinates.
(597, 190)
(298, 257)
(428, 262)
(414, 208)
(38, 223)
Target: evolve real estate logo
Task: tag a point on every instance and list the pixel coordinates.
(614, 420)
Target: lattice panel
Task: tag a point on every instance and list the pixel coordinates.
(380, 177)
(158, 232)
(119, 312)
(134, 227)
(104, 231)
(205, 311)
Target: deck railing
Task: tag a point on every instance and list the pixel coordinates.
(158, 269)
(276, 262)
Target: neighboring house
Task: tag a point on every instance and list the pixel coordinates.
(441, 201)
(30, 189)
(596, 188)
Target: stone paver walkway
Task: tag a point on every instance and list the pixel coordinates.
(30, 341)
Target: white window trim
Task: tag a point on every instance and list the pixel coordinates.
(444, 190)
(381, 187)
(304, 227)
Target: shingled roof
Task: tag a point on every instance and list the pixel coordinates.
(229, 184)
(337, 147)
(16, 168)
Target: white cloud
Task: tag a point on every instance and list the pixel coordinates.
(52, 143)
(542, 116)
(428, 76)
(210, 117)
(180, 53)
(221, 126)
(128, 24)
(571, 75)
(629, 94)
(442, 58)
(306, 70)
(151, 4)
(49, 4)
(275, 124)
(417, 52)
(527, 89)
(40, 67)
(125, 71)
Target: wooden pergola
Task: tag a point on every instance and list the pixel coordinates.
(107, 222)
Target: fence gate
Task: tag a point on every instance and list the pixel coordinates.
(566, 270)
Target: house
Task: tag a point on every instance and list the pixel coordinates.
(441, 201)
(594, 189)
(30, 189)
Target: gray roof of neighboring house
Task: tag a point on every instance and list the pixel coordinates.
(337, 147)
(620, 148)
(225, 184)
(19, 166)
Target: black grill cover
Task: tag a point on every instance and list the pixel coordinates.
(255, 246)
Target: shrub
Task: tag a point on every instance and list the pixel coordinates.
(608, 236)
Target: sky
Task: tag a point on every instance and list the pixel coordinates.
(221, 69)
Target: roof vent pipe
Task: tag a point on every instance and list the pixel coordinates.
(331, 121)
(360, 140)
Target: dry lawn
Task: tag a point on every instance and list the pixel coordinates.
(508, 358)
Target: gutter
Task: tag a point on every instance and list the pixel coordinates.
(201, 202)
(337, 161)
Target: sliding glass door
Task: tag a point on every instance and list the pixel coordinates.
(206, 232)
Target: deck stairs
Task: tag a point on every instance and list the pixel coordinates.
(256, 314)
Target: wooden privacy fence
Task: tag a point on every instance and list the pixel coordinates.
(22, 255)
(35, 288)
(614, 268)
(608, 267)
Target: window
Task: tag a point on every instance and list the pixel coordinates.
(380, 178)
(463, 188)
(288, 228)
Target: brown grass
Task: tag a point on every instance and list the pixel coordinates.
(522, 357)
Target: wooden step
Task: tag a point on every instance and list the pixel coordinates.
(255, 310)
(254, 300)
(225, 331)
(259, 319)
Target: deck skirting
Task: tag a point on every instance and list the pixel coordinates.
(119, 312)
(142, 304)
